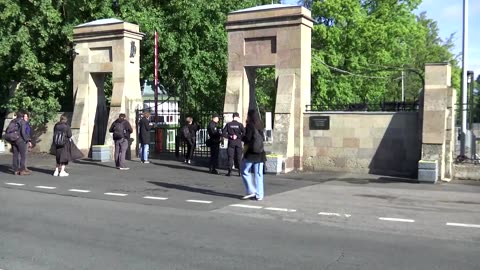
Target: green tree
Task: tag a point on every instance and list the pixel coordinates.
(359, 49)
(33, 53)
(36, 36)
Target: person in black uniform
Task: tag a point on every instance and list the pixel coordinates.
(234, 132)
(215, 136)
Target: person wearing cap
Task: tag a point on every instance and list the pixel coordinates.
(234, 132)
(215, 136)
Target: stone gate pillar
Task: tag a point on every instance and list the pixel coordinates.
(102, 47)
(278, 36)
(438, 128)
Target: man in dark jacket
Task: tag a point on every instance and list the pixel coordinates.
(215, 136)
(190, 138)
(234, 132)
(121, 130)
(144, 127)
(20, 146)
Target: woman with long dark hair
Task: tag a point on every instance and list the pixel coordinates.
(254, 157)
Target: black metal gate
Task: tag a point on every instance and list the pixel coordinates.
(171, 115)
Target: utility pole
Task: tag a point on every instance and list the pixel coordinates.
(464, 79)
(403, 86)
(155, 75)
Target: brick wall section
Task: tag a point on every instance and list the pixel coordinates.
(380, 143)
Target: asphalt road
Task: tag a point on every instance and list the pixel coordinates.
(45, 231)
(168, 215)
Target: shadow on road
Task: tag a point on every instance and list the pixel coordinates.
(195, 190)
(6, 169)
(41, 170)
(183, 167)
(94, 163)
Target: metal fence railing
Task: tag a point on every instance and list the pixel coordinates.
(165, 136)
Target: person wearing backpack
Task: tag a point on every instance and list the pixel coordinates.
(18, 137)
(234, 132)
(144, 135)
(189, 136)
(254, 156)
(61, 138)
(121, 130)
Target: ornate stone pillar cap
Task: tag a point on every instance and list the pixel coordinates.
(276, 15)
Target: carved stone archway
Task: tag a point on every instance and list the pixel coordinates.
(103, 47)
(279, 36)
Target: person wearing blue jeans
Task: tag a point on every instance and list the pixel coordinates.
(253, 158)
(145, 151)
(144, 127)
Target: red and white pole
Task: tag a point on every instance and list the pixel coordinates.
(155, 75)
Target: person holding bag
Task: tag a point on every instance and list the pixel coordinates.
(254, 157)
(65, 149)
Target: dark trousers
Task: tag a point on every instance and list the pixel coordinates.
(190, 150)
(234, 152)
(214, 151)
(120, 152)
(19, 155)
(58, 155)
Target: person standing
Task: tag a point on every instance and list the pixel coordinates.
(214, 135)
(62, 133)
(234, 132)
(28, 131)
(121, 130)
(20, 145)
(144, 135)
(254, 157)
(189, 136)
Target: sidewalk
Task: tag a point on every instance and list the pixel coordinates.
(174, 172)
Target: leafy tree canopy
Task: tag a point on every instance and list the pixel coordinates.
(359, 48)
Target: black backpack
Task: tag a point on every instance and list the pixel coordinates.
(12, 133)
(119, 131)
(257, 144)
(185, 133)
(59, 138)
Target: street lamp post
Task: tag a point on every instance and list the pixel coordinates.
(464, 78)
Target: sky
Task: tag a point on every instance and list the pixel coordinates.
(449, 16)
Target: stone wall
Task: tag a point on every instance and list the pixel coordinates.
(371, 142)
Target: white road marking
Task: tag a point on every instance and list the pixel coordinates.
(115, 194)
(396, 219)
(347, 215)
(463, 225)
(155, 198)
(329, 214)
(247, 206)
(45, 187)
(14, 184)
(280, 209)
(199, 201)
(79, 190)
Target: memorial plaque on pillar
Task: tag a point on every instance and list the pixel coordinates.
(319, 122)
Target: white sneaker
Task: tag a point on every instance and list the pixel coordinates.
(248, 196)
(55, 173)
(124, 169)
(189, 161)
(146, 162)
(63, 173)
